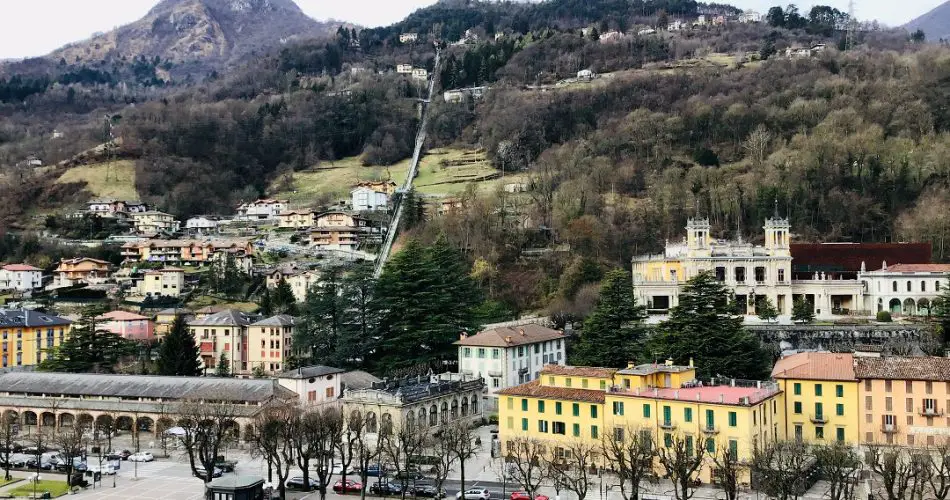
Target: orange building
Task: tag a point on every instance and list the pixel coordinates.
(80, 270)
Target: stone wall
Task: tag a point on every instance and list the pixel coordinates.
(837, 336)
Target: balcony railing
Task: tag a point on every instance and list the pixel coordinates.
(931, 412)
(819, 419)
(710, 429)
(889, 428)
(667, 425)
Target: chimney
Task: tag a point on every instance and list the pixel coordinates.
(884, 265)
(521, 331)
(669, 362)
(630, 365)
(722, 398)
(508, 339)
(691, 362)
(463, 336)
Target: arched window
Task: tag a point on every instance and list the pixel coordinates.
(894, 286)
(423, 421)
(387, 425)
(371, 423)
(455, 409)
(411, 420)
(464, 407)
(445, 412)
(433, 416)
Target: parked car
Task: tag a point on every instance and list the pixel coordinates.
(386, 489)
(428, 491)
(376, 471)
(124, 454)
(142, 456)
(200, 472)
(105, 470)
(409, 475)
(296, 483)
(523, 495)
(341, 487)
(225, 465)
(337, 470)
(474, 494)
(78, 465)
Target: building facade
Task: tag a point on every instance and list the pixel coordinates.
(70, 272)
(153, 222)
(296, 219)
(508, 356)
(300, 281)
(821, 397)
(905, 289)
(365, 199)
(314, 385)
(275, 336)
(20, 277)
(28, 337)
(165, 282)
(660, 402)
(184, 252)
(262, 209)
(127, 325)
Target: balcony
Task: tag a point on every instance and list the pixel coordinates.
(889, 428)
(710, 429)
(931, 412)
(667, 425)
(819, 419)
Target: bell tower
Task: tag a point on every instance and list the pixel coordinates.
(697, 236)
(777, 232)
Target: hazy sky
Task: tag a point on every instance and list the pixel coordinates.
(36, 27)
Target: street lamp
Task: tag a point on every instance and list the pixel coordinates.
(36, 479)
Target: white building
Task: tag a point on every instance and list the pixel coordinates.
(262, 209)
(676, 25)
(167, 282)
(750, 16)
(366, 199)
(404, 69)
(904, 289)
(508, 356)
(20, 277)
(314, 385)
(202, 224)
(408, 37)
(300, 281)
(611, 36)
(420, 74)
(585, 74)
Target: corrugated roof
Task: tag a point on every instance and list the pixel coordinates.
(310, 371)
(26, 317)
(145, 386)
(578, 371)
(511, 336)
(816, 366)
(278, 320)
(534, 389)
(899, 368)
(227, 317)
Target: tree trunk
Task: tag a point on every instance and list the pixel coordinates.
(462, 475)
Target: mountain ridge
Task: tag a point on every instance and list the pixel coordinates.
(935, 23)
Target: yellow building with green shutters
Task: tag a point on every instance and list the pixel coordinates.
(664, 401)
(821, 397)
(29, 337)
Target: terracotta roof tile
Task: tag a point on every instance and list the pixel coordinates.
(534, 389)
(20, 267)
(579, 371)
(918, 268)
(816, 366)
(910, 368)
(511, 336)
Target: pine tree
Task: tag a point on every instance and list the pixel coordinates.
(613, 333)
(223, 366)
(323, 316)
(283, 300)
(704, 327)
(89, 349)
(266, 306)
(767, 311)
(941, 313)
(802, 311)
(179, 354)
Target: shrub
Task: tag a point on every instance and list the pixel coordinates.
(884, 317)
(706, 157)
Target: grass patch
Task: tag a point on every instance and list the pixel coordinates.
(11, 481)
(207, 300)
(105, 180)
(55, 488)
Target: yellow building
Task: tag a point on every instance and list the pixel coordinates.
(154, 222)
(297, 219)
(28, 337)
(821, 396)
(664, 401)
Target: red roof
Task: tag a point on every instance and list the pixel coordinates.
(534, 389)
(918, 268)
(122, 316)
(816, 366)
(816, 257)
(19, 267)
(716, 394)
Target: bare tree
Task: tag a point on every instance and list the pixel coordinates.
(939, 476)
(442, 447)
(163, 423)
(323, 429)
(358, 448)
(525, 459)
(631, 454)
(8, 432)
(401, 445)
(680, 458)
(71, 441)
(274, 431)
(465, 445)
(727, 472)
(780, 469)
(840, 465)
(207, 427)
(900, 472)
(570, 465)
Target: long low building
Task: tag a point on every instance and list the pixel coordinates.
(143, 402)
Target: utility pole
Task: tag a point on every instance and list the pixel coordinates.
(852, 23)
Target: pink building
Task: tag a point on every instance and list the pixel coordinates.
(127, 325)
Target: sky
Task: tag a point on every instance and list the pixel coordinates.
(36, 27)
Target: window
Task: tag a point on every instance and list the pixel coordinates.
(910, 405)
(817, 389)
(537, 348)
(867, 385)
(603, 385)
(511, 403)
(618, 433)
(576, 409)
(759, 274)
(720, 274)
(510, 422)
(593, 411)
(798, 432)
(688, 414)
(710, 445)
(819, 432)
(330, 392)
(894, 286)
(839, 434)
(887, 386)
(909, 386)
(839, 410)
(524, 424)
(868, 403)
(567, 382)
(520, 351)
(557, 407)
(929, 387)
(930, 407)
(733, 419)
(667, 440)
(559, 428)
(618, 407)
(734, 449)
(543, 426)
(524, 405)
(495, 353)
(923, 286)
(839, 391)
(583, 383)
(710, 419)
(689, 446)
(819, 411)
(909, 286)
(667, 415)
(740, 274)
(798, 389)
(646, 411)
(798, 407)
(576, 430)
(781, 276)
(593, 432)
(551, 381)
(541, 406)
(888, 404)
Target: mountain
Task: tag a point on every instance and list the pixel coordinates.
(935, 24)
(199, 34)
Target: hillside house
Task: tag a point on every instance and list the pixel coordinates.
(408, 37)
(224, 332)
(165, 318)
(702, 20)
(450, 205)
(750, 16)
(611, 36)
(404, 69)
(315, 385)
(190, 252)
(676, 25)
(585, 74)
(388, 187)
(458, 95)
(300, 281)
(81, 270)
(20, 277)
(296, 219)
(203, 224)
(167, 282)
(276, 337)
(364, 199)
(264, 209)
(127, 325)
(115, 208)
(421, 74)
(154, 222)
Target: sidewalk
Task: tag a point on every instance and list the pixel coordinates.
(17, 474)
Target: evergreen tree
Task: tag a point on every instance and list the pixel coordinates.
(357, 330)
(413, 209)
(266, 304)
(704, 328)
(767, 311)
(88, 349)
(323, 315)
(179, 354)
(802, 311)
(283, 300)
(613, 333)
(223, 366)
(941, 313)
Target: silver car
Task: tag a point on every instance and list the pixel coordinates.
(474, 494)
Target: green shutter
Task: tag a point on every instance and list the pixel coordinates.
(710, 419)
(710, 445)
(734, 449)
(540, 406)
(733, 419)
(576, 409)
(668, 440)
(688, 414)
(577, 430)
(593, 432)
(524, 405)
(593, 411)
(557, 408)
(524, 424)
(839, 391)
(798, 389)
(819, 410)
(839, 409)
(817, 389)
(840, 433)
(646, 411)
(689, 446)
(798, 407)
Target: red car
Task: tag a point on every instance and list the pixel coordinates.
(523, 495)
(339, 487)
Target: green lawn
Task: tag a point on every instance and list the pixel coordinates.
(205, 300)
(11, 481)
(56, 489)
(105, 180)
